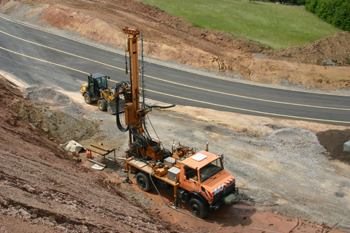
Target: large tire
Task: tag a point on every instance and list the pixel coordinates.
(87, 98)
(102, 104)
(143, 181)
(198, 208)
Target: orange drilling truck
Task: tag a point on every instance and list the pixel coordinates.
(198, 179)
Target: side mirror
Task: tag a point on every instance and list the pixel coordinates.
(108, 77)
(222, 157)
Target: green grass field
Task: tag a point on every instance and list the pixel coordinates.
(275, 25)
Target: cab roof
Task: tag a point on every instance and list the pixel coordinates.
(97, 75)
(200, 159)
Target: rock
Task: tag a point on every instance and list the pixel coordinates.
(24, 213)
(35, 213)
(61, 228)
(12, 212)
(3, 201)
(260, 56)
(328, 62)
(48, 223)
(29, 188)
(346, 147)
(52, 218)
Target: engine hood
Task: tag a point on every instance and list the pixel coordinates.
(218, 182)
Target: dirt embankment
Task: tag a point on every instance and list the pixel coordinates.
(171, 38)
(44, 191)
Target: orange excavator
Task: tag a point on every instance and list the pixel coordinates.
(198, 178)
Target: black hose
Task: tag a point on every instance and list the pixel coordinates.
(141, 140)
(120, 127)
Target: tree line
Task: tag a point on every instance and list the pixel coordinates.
(336, 12)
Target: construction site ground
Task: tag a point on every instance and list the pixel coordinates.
(44, 189)
(293, 175)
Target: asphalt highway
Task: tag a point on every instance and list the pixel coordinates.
(40, 57)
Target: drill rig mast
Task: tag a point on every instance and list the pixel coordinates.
(141, 145)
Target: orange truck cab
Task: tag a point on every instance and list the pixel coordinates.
(204, 184)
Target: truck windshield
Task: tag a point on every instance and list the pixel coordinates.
(210, 169)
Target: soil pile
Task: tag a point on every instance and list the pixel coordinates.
(333, 141)
(40, 186)
(335, 48)
(66, 123)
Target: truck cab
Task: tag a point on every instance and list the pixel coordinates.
(204, 184)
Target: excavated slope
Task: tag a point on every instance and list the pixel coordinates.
(40, 185)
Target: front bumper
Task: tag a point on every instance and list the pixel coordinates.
(229, 199)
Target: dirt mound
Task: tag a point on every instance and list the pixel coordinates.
(46, 96)
(335, 48)
(40, 186)
(60, 125)
(333, 141)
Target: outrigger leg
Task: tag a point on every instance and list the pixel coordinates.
(175, 196)
(127, 180)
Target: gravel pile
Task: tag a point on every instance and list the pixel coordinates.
(289, 171)
(74, 108)
(66, 123)
(292, 145)
(46, 96)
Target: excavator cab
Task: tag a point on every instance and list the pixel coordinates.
(92, 89)
(97, 82)
(96, 89)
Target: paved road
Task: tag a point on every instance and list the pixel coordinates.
(44, 58)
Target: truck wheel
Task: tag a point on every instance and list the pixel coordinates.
(87, 98)
(198, 208)
(143, 181)
(102, 104)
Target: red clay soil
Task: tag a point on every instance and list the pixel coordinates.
(41, 190)
(239, 218)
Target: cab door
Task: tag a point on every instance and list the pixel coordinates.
(91, 85)
(189, 180)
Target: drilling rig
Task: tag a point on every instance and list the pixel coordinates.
(198, 179)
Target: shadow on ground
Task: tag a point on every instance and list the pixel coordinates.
(333, 141)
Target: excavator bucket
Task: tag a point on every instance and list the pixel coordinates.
(112, 107)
